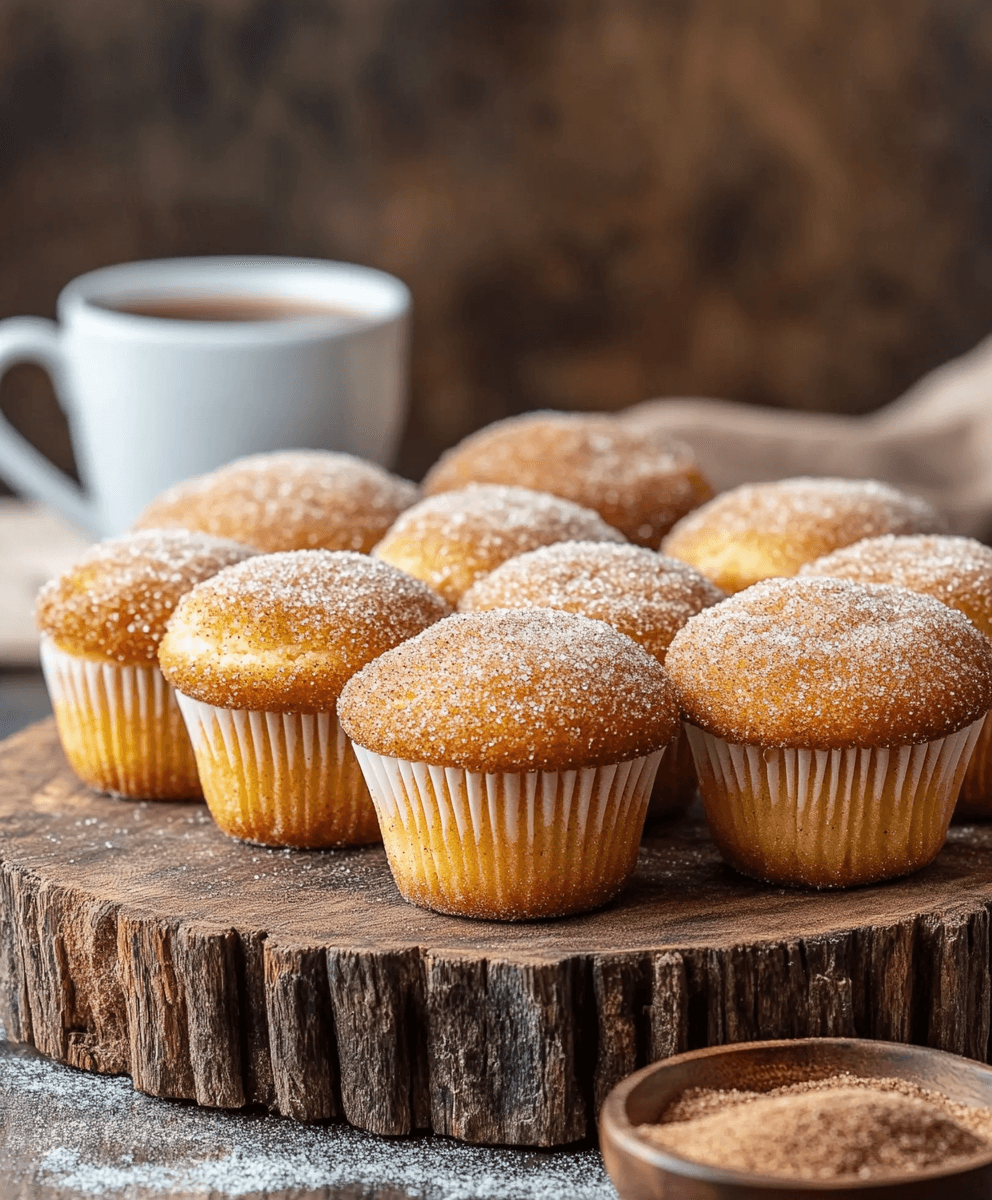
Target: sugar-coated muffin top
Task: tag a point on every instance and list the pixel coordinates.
(956, 570)
(825, 663)
(641, 485)
(284, 632)
(288, 500)
(643, 594)
(761, 530)
(113, 604)
(520, 690)
(454, 538)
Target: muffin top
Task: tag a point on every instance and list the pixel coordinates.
(638, 484)
(520, 690)
(761, 530)
(956, 570)
(288, 500)
(284, 632)
(825, 663)
(641, 593)
(113, 604)
(452, 539)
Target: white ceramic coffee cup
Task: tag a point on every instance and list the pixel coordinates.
(152, 400)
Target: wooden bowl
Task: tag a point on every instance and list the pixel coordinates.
(641, 1171)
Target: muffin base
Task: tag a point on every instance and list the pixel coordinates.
(280, 779)
(975, 800)
(120, 727)
(509, 846)
(830, 818)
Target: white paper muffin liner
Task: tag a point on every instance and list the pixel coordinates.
(280, 779)
(509, 845)
(830, 818)
(120, 726)
(976, 791)
(675, 784)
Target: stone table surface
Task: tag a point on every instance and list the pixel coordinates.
(67, 1134)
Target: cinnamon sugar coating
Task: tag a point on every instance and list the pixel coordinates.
(288, 500)
(824, 664)
(519, 690)
(762, 530)
(113, 604)
(637, 591)
(284, 632)
(956, 570)
(836, 1129)
(454, 538)
(640, 485)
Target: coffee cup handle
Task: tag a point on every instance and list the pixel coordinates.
(33, 339)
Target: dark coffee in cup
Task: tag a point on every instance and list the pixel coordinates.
(231, 308)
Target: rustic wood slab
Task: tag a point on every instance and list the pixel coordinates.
(136, 938)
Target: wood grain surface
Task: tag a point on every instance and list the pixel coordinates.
(136, 938)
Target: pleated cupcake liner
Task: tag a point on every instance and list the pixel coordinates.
(676, 783)
(120, 727)
(509, 845)
(280, 779)
(976, 791)
(830, 818)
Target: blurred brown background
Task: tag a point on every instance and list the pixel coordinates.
(593, 201)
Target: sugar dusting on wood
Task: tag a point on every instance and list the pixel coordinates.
(65, 1130)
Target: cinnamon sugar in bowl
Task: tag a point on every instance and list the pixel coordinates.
(831, 724)
(824, 1117)
(258, 656)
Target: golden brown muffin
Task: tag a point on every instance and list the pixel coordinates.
(764, 530)
(258, 656)
(451, 540)
(101, 623)
(288, 500)
(831, 724)
(637, 484)
(639, 592)
(510, 755)
(955, 570)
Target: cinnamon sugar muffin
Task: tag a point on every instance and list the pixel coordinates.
(642, 594)
(639, 485)
(831, 723)
(955, 570)
(763, 530)
(510, 755)
(288, 500)
(258, 656)
(101, 623)
(452, 539)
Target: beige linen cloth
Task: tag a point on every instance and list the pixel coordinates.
(936, 440)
